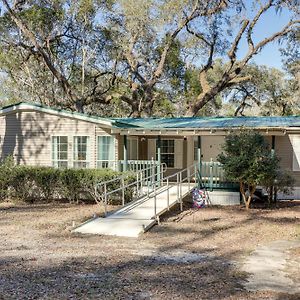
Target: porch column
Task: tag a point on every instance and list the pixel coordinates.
(199, 153)
(125, 152)
(158, 154)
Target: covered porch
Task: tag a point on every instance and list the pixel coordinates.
(169, 154)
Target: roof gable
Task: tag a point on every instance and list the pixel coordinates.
(24, 106)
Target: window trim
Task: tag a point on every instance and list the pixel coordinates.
(97, 150)
(87, 161)
(168, 153)
(55, 162)
(295, 162)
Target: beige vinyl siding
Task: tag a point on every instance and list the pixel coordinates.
(27, 135)
(284, 150)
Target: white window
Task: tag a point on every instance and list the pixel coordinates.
(60, 151)
(81, 152)
(105, 151)
(168, 153)
(295, 141)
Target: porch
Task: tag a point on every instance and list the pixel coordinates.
(209, 175)
(168, 155)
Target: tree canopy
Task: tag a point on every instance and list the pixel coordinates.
(145, 57)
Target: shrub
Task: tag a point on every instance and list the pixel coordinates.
(6, 173)
(23, 184)
(47, 182)
(30, 184)
(80, 183)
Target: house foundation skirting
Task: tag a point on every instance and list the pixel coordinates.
(295, 195)
(224, 198)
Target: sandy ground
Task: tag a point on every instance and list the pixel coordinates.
(191, 255)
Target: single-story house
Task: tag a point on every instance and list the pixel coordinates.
(44, 136)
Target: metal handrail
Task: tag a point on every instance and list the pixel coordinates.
(155, 185)
(179, 181)
(141, 177)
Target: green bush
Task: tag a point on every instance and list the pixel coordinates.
(47, 182)
(6, 173)
(23, 184)
(31, 184)
(80, 183)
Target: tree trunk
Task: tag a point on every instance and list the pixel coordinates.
(203, 99)
(247, 200)
(247, 203)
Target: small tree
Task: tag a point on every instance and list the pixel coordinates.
(247, 159)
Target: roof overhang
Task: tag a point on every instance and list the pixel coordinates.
(195, 132)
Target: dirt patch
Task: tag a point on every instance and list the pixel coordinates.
(270, 268)
(191, 255)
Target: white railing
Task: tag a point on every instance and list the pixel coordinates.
(186, 176)
(149, 182)
(134, 186)
(129, 165)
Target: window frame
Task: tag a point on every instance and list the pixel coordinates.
(167, 153)
(56, 161)
(100, 163)
(295, 143)
(81, 163)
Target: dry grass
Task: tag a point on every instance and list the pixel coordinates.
(191, 255)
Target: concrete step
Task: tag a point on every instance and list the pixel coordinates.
(116, 226)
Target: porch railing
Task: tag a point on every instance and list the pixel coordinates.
(211, 174)
(129, 165)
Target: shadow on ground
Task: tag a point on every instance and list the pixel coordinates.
(176, 275)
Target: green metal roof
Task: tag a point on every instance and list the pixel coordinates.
(169, 123)
(213, 122)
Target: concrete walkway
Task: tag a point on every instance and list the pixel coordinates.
(135, 218)
(269, 268)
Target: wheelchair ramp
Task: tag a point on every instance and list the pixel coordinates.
(138, 216)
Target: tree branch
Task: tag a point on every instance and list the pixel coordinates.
(24, 29)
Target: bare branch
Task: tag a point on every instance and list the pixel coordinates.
(288, 28)
(233, 49)
(24, 29)
(200, 36)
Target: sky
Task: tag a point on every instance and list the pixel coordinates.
(270, 55)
